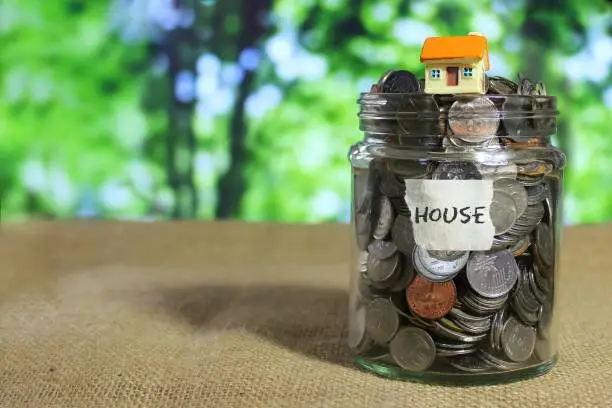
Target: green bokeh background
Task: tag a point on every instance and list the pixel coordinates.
(157, 109)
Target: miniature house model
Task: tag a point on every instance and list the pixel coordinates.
(455, 65)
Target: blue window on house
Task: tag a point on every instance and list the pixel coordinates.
(467, 72)
(435, 73)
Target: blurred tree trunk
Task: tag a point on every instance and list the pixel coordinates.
(181, 47)
(231, 185)
(541, 33)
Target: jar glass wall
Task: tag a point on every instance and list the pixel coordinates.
(456, 216)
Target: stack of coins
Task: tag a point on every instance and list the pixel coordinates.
(455, 311)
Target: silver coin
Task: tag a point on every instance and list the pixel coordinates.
(441, 267)
(502, 211)
(381, 270)
(413, 349)
(474, 120)
(544, 244)
(426, 273)
(385, 218)
(516, 191)
(448, 333)
(517, 340)
(536, 194)
(456, 171)
(368, 291)
(382, 249)
(472, 328)
(357, 328)
(362, 261)
(492, 274)
(545, 320)
(446, 255)
(382, 320)
(452, 345)
(399, 81)
(403, 235)
(405, 278)
(442, 352)
(497, 362)
(469, 363)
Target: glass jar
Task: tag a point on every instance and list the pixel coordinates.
(456, 217)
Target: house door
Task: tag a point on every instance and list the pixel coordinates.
(452, 76)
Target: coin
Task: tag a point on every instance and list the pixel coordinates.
(413, 349)
(402, 234)
(381, 270)
(474, 120)
(517, 340)
(456, 171)
(385, 218)
(525, 87)
(382, 249)
(430, 300)
(492, 274)
(362, 261)
(399, 81)
(441, 352)
(544, 244)
(501, 86)
(536, 194)
(446, 255)
(502, 211)
(515, 190)
(520, 247)
(368, 291)
(382, 320)
(406, 276)
(357, 328)
(440, 267)
(445, 332)
(469, 363)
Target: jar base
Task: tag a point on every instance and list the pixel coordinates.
(393, 372)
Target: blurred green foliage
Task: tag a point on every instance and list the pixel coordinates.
(153, 109)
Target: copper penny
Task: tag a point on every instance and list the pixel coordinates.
(430, 300)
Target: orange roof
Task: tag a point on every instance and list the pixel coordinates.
(462, 46)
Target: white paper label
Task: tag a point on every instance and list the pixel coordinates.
(451, 215)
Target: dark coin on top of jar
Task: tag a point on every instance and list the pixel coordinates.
(399, 81)
(525, 86)
(501, 86)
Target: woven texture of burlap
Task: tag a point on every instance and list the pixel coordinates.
(241, 315)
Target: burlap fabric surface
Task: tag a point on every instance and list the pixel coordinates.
(235, 315)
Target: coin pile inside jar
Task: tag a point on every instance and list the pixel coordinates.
(449, 311)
